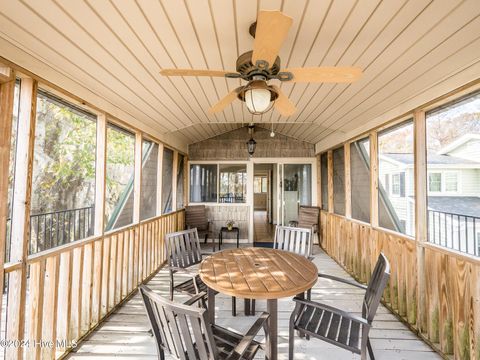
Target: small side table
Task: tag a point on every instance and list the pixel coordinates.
(225, 229)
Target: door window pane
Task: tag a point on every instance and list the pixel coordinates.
(63, 180)
(260, 184)
(119, 178)
(264, 184)
(148, 201)
(167, 173)
(396, 193)
(203, 183)
(360, 179)
(453, 168)
(233, 183)
(339, 181)
(180, 181)
(297, 189)
(324, 180)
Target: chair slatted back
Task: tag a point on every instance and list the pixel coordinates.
(293, 239)
(181, 330)
(196, 217)
(375, 287)
(183, 248)
(308, 216)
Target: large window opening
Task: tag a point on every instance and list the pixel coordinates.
(339, 181)
(180, 181)
(396, 193)
(119, 190)
(63, 180)
(167, 177)
(233, 183)
(203, 183)
(360, 179)
(148, 204)
(453, 168)
(324, 180)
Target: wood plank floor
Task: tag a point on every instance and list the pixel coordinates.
(263, 231)
(124, 334)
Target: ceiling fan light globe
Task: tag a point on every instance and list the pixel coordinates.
(258, 100)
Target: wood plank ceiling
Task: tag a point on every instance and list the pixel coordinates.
(116, 48)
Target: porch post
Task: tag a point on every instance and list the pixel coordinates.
(374, 178)
(137, 182)
(100, 174)
(420, 213)
(319, 180)
(174, 180)
(348, 182)
(186, 189)
(159, 179)
(7, 93)
(20, 233)
(250, 177)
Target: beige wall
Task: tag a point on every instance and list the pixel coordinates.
(220, 214)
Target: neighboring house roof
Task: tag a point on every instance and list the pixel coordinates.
(458, 142)
(432, 159)
(463, 205)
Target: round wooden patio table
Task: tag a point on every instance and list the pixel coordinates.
(258, 273)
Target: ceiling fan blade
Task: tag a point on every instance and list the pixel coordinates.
(283, 104)
(327, 74)
(271, 31)
(227, 100)
(192, 72)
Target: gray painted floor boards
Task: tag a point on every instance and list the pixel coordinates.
(124, 334)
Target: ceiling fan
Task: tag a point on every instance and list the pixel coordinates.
(262, 64)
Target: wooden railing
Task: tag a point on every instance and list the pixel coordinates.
(450, 320)
(71, 288)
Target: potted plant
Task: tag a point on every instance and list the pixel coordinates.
(230, 224)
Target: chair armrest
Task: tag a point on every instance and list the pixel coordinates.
(237, 353)
(345, 281)
(333, 310)
(293, 223)
(195, 298)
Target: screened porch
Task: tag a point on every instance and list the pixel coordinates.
(137, 133)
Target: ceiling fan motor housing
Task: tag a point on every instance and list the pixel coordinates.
(246, 67)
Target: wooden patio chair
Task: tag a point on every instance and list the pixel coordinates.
(183, 254)
(336, 326)
(196, 217)
(183, 331)
(308, 217)
(294, 239)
